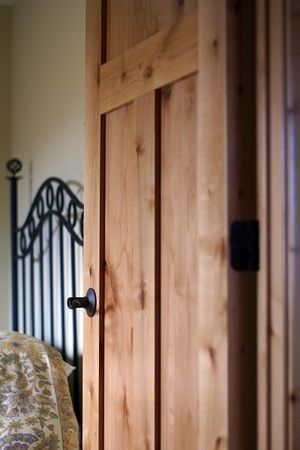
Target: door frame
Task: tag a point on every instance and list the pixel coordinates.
(273, 309)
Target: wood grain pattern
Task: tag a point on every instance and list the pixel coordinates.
(179, 268)
(194, 231)
(263, 361)
(273, 306)
(130, 388)
(278, 282)
(129, 299)
(212, 227)
(92, 429)
(167, 56)
(140, 19)
(293, 161)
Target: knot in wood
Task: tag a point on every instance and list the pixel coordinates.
(148, 72)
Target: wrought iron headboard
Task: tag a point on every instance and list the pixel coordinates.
(46, 261)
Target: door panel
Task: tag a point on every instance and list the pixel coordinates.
(129, 276)
(131, 21)
(179, 300)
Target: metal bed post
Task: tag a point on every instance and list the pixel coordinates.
(14, 166)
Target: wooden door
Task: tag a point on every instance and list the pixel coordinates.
(156, 225)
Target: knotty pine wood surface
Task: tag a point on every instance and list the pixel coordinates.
(200, 407)
(212, 128)
(179, 267)
(167, 56)
(129, 288)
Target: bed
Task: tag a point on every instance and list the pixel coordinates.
(40, 360)
(35, 405)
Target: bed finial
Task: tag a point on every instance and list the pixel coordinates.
(14, 166)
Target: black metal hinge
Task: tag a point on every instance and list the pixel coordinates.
(244, 245)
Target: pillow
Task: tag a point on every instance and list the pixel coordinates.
(36, 409)
(68, 368)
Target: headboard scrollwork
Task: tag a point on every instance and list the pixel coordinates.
(54, 198)
(46, 263)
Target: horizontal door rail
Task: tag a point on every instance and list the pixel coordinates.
(165, 57)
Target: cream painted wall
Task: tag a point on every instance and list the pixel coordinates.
(5, 101)
(43, 122)
(48, 91)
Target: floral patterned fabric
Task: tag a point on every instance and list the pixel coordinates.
(36, 410)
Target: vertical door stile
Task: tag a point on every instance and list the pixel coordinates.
(212, 227)
(92, 404)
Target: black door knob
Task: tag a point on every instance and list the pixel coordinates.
(89, 302)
